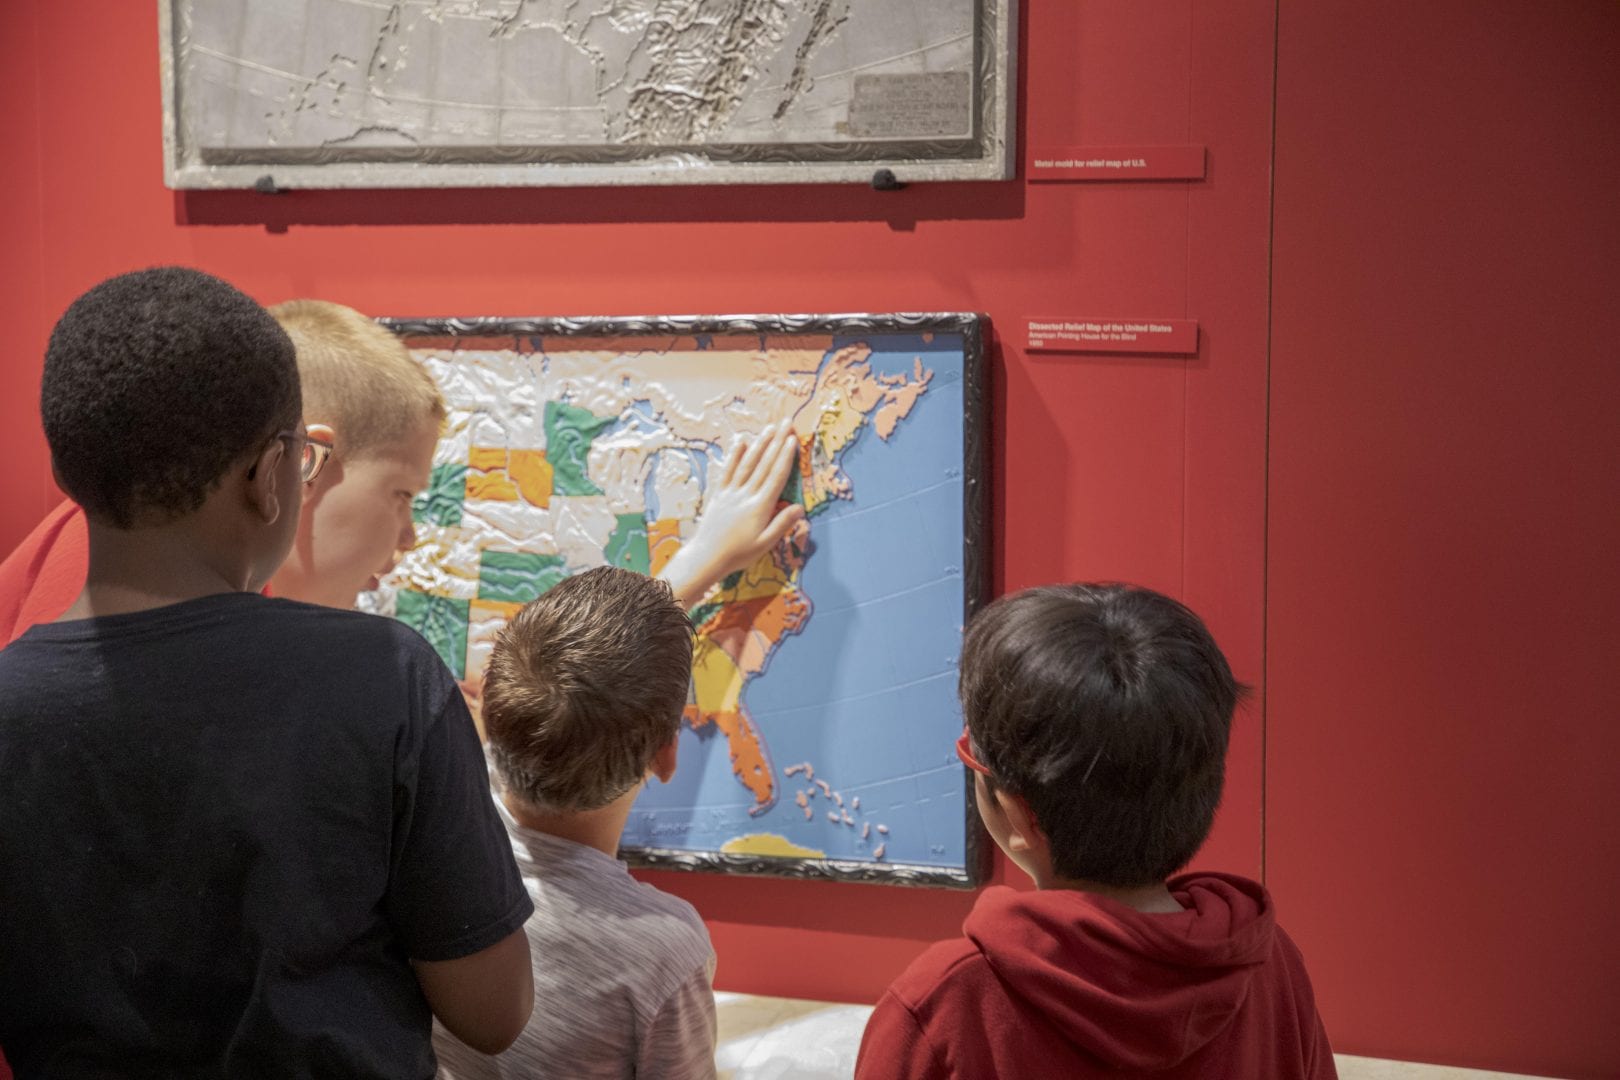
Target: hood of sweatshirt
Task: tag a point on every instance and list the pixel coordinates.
(1134, 990)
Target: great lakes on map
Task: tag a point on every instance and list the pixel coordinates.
(565, 452)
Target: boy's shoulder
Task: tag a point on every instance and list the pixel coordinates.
(589, 914)
(616, 904)
(337, 629)
(946, 971)
(683, 940)
(250, 634)
(344, 623)
(592, 886)
(670, 937)
(358, 645)
(678, 911)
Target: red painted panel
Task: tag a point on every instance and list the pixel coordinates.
(26, 466)
(1443, 755)
(1094, 458)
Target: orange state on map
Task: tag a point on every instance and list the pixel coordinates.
(748, 760)
(750, 630)
(663, 541)
(734, 644)
(496, 473)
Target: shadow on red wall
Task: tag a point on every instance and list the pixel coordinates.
(902, 210)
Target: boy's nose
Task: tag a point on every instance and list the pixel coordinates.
(407, 535)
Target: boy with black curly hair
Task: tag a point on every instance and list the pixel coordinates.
(368, 404)
(1097, 720)
(242, 836)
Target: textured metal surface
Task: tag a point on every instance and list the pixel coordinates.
(975, 534)
(987, 155)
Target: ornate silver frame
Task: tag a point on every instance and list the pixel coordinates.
(975, 537)
(986, 155)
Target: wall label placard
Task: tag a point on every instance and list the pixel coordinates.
(1075, 334)
(1116, 163)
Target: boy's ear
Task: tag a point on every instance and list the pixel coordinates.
(663, 762)
(263, 488)
(1023, 832)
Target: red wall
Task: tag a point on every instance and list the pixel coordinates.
(1148, 470)
(1443, 741)
(1436, 520)
(26, 491)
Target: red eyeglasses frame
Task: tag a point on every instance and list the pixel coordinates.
(964, 750)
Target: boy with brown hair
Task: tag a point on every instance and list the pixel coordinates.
(582, 703)
(1097, 720)
(367, 403)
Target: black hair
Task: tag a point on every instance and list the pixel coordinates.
(155, 382)
(1107, 709)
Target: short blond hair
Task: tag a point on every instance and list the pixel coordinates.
(357, 377)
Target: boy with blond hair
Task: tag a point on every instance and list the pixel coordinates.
(367, 402)
(385, 414)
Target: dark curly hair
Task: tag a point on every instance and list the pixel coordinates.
(155, 382)
(1107, 708)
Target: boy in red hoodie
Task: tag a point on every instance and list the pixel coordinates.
(1097, 719)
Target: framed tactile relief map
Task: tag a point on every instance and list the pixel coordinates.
(819, 736)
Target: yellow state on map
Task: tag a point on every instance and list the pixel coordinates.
(769, 844)
(502, 475)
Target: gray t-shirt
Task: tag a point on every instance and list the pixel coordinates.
(623, 975)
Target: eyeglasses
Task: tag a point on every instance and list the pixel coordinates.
(313, 452)
(964, 750)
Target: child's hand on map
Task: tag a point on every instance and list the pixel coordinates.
(740, 520)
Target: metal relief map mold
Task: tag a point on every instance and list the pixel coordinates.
(818, 741)
(437, 93)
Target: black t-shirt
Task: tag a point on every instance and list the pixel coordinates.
(226, 826)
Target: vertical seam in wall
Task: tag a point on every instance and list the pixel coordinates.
(1265, 501)
(1186, 276)
(1186, 306)
(47, 482)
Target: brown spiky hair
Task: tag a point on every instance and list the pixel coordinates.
(585, 686)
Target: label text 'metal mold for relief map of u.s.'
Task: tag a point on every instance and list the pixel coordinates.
(823, 707)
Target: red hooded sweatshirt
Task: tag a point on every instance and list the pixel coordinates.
(1060, 983)
(43, 577)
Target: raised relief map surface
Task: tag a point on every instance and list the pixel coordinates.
(667, 86)
(823, 713)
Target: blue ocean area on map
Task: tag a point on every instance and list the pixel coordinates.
(866, 692)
